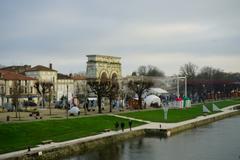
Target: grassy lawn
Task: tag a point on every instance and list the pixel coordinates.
(16, 136)
(176, 115)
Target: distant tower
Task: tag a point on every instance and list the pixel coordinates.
(100, 66)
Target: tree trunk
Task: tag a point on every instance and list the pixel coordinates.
(43, 102)
(110, 104)
(99, 104)
(49, 105)
(19, 117)
(16, 110)
(84, 105)
(140, 101)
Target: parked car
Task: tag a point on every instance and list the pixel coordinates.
(59, 104)
(29, 103)
(9, 107)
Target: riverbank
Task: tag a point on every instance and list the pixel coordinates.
(81, 145)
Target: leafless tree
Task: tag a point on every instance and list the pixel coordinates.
(113, 92)
(189, 70)
(17, 92)
(101, 88)
(211, 73)
(44, 88)
(139, 87)
(150, 70)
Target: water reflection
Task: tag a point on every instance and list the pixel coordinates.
(217, 141)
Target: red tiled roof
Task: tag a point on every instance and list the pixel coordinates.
(40, 68)
(8, 75)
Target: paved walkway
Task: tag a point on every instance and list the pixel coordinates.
(149, 125)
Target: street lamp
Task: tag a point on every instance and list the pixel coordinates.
(185, 89)
(67, 103)
(224, 90)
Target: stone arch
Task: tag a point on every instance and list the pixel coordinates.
(97, 64)
(103, 75)
(114, 76)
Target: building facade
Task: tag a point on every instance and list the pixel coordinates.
(65, 86)
(44, 74)
(80, 87)
(10, 82)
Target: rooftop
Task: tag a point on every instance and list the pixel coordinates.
(63, 76)
(40, 68)
(9, 75)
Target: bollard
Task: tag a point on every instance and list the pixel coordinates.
(122, 126)
(130, 124)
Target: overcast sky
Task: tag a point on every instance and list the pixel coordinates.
(166, 34)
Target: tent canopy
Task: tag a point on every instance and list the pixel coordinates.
(157, 91)
(92, 98)
(151, 99)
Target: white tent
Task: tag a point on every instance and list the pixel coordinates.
(151, 99)
(74, 111)
(157, 91)
(205, 109)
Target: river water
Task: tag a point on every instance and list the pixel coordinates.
(216, 141)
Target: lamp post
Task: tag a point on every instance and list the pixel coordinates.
(67, 103)
(185, 87)
(224, 90)
(49, 99)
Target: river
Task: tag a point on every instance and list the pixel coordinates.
(217, 141)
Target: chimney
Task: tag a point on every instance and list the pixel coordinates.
(50, 65)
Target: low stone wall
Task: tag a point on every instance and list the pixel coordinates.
(201, 122)
(175, 130)
(82, 147)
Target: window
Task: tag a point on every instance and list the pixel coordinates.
(10, 90)
(31, 89)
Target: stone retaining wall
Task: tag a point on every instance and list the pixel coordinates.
(82, 147)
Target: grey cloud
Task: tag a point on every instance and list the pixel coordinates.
(56, 28)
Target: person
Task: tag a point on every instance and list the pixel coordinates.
(122, 126)
(29, 148)
(130, 124)
(116, 125)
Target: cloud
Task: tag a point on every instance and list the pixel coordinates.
(156, 32)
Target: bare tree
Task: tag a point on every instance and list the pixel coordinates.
(17, 91)
(189, 70)
(210, 73)
(44, 88)
(154, 71)
(81, 93)
(150, 70)
(139, 87)
(142, 70)
(113, 92)
(101, 88)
